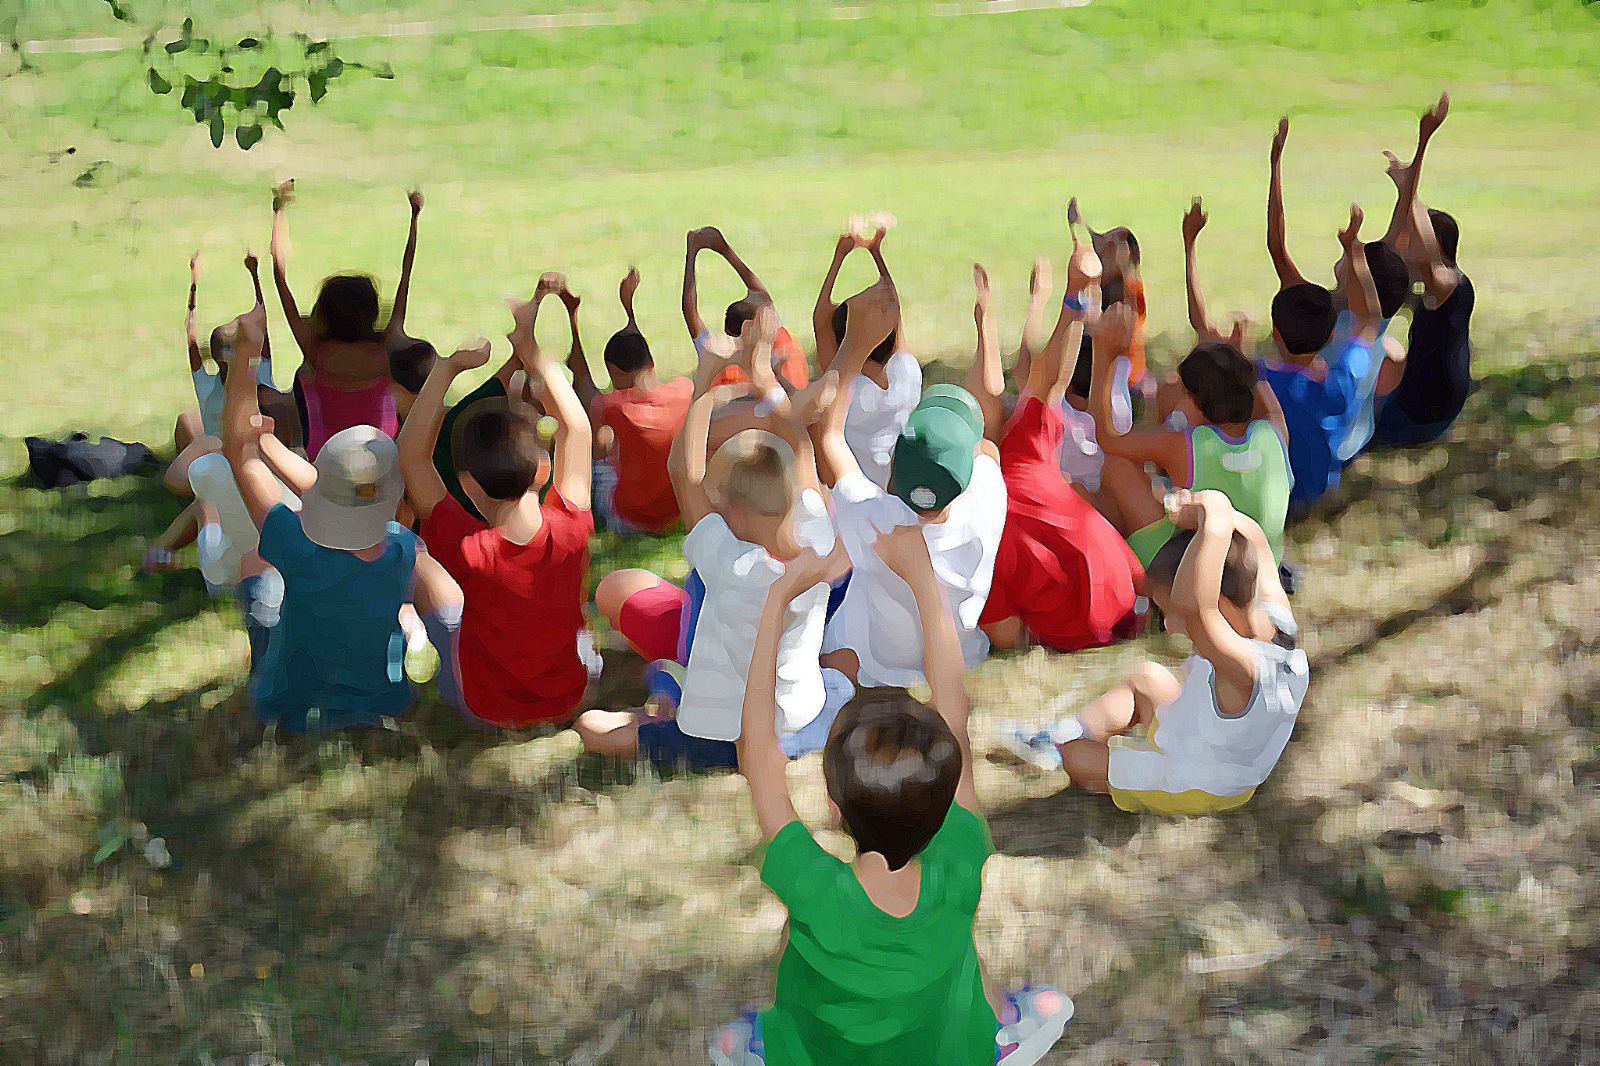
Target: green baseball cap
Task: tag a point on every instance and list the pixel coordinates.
(932, 462)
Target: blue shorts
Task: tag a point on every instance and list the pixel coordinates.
(667, 746)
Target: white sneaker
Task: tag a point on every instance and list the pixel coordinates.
(1042, 1015)
(1030, 744)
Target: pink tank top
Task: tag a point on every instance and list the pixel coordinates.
(329, 410)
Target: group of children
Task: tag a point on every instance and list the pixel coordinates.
(848, 536)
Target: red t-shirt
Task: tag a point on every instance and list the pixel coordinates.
(644, 421)
(791, 366)
(1061, 566)
(518, 645)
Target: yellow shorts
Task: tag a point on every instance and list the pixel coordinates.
(1193, 803)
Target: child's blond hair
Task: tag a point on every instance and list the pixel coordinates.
(752, 471)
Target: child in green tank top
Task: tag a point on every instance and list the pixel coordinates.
(1233, 440)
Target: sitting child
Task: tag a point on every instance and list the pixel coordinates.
(944, 478)
(634, 424)
(1318, 389)
(751, 507)
(1233, 437)
(789, 360)
(1214, 737)
(518, 653)
(890, 384)
(345, 380)
(879, 965)
(1438, 370)
(327, 647)
(1062, 575)
(1117, 251)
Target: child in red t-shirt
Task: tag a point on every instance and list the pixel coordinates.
(634, 425)
(518, 652)
(1063, 576)
(788, 359)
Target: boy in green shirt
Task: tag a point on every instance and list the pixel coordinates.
(880, 966)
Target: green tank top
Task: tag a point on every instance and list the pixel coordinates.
(1253, 473)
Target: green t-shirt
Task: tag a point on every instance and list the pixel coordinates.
(856, 985)
(491, 395)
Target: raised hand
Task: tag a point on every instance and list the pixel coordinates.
(1280, 138)
(1349, 236)
(523, 315)
(194, 269)
(808, 569)
(1113, 334)
(1194, 221)
(1039, 280)
(1396, 170)
(707, 237)
(550, 283)
(470, 356)
(1434, 117)
(250, 332)
(905, 552)
(414, 197)
(629, 286)
(283, 194)
(881, 222)
(251, 263)
(980, 283)
(873, 315)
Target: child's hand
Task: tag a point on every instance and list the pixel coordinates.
(707, 237)
(1074, 216)
(881, 222)
(283, 194)
(261, 426)
(808, 569)
(523, 313)
(717, 352)
(905, 552)
(470, 356)
(414, 197)
(755, 343)
(1114, 332)
(1349, 237)
(551, 282)
(1280, 138)
(1184, 509)
(1434, 117)
(250, 331)
(569, 299)
(629, 286)
(251, 263)
(1039, 280)
(1083, 266)
(194, 269)
(1194, 221)
(873, 315)
(980, 283)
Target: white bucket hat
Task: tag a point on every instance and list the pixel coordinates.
(358, 487)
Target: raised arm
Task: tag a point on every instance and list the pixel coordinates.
(696, 241)
(582, 376)
(196, 360)
(1277, 237)
(242, 424)
(905, 551)
(686, 462)
(402, 291)
(420, 433)
(1168, 449)
(873, 315)
(1193, 222)
(1197, 588)
(720, 245)
(822, 313)
(282, 197)
(574, 445)
(264, 373)
(1361, 294)
(986, 379)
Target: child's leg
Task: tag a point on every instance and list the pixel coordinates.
(177, 476)
(1133, 502)
(1088, 763)
(1007, 634)
(178, 535)
(1131, 703)
(186, 429)
(614, 733)
(647, 610)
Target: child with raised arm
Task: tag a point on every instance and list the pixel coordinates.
(1362, 309)
(410, 359)
(1318, 386)
(518, 653)
(880, 967)
(1212, 738)
(754, 504)
(790, 361)
(890, 383)
(1233, 437)
(345, 380)
(327, 648)
(634, 423)
(944, 478)
(1063, 576)
(1437, 376)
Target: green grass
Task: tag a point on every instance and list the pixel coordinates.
(430, 892)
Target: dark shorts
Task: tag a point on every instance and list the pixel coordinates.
(1395, 429)
(665, 745)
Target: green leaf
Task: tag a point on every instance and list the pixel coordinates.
(112, 838)
(159, 85)
(180, 45)
(216, 129)
(318, 86)
(334, 68)
(315, 47)
(248, 43)
(248, 136)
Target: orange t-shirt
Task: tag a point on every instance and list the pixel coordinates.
(791, 364)
(644, 421)
(1135, 299)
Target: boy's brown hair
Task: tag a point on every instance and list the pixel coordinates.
(1239, 572)
(891, 766)
(501, 451)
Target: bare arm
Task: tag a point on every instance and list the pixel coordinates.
(1277, 237)
(1268, 407)
(1163, 447)
(582, 377)
(402, 291)
(574, 444)
(873, 315)
(905, 551)
(295, 471)
(752, 283)
(686, 462)
(253, 265)
(242, 424)
(298, 325)
(1361, 294)
(1193, 223)
(822, 313)
(986, 379)
(420, 433)
(691, 285)
(1197, 588)
(196, 361)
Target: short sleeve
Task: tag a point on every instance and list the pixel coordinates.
(961, 846)
(570, 527)
(444, 530)
(856, 488)
(283, 540)
(710, 546)
(796, 868)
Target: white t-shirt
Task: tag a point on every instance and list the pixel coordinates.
(878, 618)
(224, 544)
(1081, 457)
(737, 576)
(1193, 746)
(876, 416)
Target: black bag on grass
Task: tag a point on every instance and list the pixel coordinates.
(58, 463)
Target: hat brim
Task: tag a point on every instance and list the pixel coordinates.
(350, 528)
